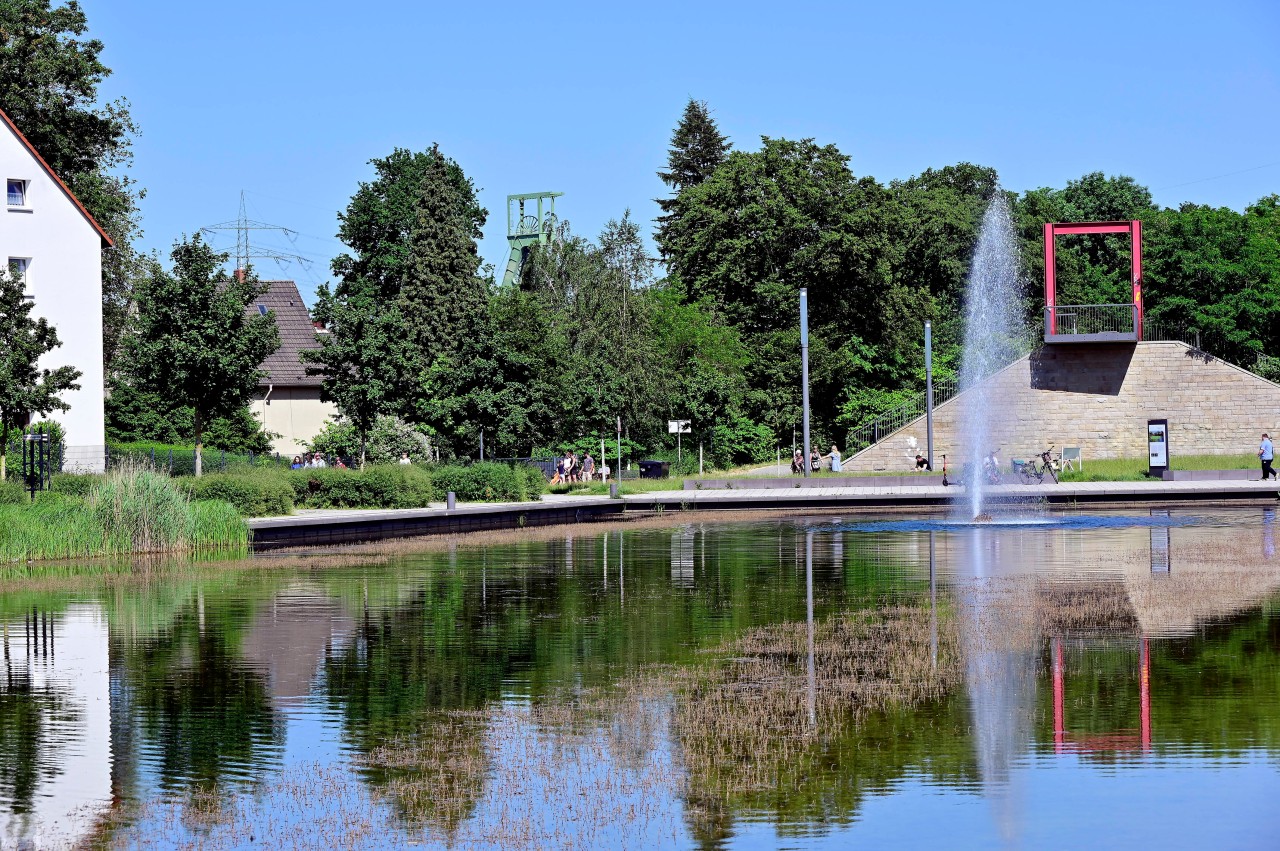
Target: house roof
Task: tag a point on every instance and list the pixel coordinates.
(106, 240)
(297, 333)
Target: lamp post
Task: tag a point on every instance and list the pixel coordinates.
(804, 370)
(928, 389)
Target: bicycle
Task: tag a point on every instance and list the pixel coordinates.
(1033, 473)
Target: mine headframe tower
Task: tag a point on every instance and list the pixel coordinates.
(527, 228)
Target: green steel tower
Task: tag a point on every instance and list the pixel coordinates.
(527, 229)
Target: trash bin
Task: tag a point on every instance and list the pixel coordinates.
(655, 469)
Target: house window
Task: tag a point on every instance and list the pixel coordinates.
(17, 193)
(262, 309)
(18, 270)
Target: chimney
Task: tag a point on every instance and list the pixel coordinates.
(240, 275)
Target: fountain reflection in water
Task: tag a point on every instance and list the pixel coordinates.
(991, 338)
(999, 633)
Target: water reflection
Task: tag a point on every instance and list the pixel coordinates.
(1075, 646)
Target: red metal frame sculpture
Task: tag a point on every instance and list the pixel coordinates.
(1052, 230)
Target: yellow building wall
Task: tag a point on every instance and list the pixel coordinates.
(296, 414)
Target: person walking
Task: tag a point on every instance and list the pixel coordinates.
(1267, 454)
(588, 467)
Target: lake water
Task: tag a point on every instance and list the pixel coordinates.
(1062, 681)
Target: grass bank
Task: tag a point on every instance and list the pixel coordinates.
(129, 511)
(1135, 469)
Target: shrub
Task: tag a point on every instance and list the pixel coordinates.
(385, 442)
(383, 486)
(488, 482)
(258, 494)
(73, 484)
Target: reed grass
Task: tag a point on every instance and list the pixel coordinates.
(131, 510)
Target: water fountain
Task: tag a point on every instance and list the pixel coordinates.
(992, 321)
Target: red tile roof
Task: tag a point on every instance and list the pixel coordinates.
(74, 200)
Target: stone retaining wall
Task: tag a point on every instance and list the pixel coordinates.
(1099, 397)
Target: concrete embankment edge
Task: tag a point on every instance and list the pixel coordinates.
(360, 526)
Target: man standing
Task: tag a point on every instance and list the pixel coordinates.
(1267, 453)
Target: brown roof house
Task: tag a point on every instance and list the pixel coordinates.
(288, 401)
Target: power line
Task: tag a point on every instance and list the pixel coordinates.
(1218, 176)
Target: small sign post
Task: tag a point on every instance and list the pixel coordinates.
(678, 427)
(1158, 447)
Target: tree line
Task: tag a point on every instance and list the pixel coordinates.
(597, 327)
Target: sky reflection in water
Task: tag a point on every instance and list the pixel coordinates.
(1119, 683)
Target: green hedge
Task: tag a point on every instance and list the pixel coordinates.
(489, 482)
(267, 491)
(255, 494)
(73, 484)
(386, 486)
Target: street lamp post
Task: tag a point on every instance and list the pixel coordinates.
(928, 389)
(804, 370)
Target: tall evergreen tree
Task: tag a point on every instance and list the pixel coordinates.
(444, 302)
(697, 149)
(380, 219)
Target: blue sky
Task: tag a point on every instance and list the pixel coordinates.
(288, 100)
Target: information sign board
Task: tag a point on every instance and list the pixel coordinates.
(1158, 446)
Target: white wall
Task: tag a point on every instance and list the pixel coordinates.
(65, 278)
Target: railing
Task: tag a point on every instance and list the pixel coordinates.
(1091, 323)
(945, 389)
(873, 431)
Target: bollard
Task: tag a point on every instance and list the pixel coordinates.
(450, 501)
(613, 490)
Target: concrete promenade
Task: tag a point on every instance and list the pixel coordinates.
(329, 527)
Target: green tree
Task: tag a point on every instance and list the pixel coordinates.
(697, 149)
(762, 226)
(193, 340)
(134, 415)
(444, 302)
(49, 78)
(358, 375)
(1217, 271)
(25, 388)
(380, 219)
(374, 323)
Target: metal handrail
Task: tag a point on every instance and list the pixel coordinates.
(887, 422)
(1073, 320)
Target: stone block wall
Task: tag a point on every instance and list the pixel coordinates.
(1099, 397)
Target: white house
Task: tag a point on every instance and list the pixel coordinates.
(48, 236)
